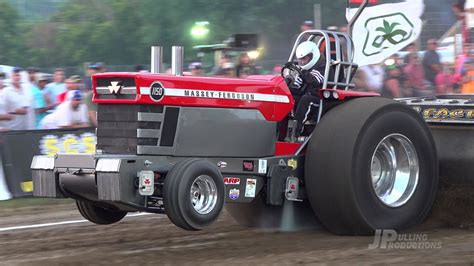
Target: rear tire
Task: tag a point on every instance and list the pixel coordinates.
(193, 194)
(99, 215)
(343, 169)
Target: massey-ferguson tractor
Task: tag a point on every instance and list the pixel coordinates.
(190, 146)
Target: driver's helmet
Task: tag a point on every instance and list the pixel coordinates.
(307, 54)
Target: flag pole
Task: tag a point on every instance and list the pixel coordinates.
(357, 14)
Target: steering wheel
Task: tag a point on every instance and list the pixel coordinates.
(290, 71)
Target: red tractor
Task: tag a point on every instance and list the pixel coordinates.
(189, 146)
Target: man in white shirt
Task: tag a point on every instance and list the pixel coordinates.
(4, 116)
(17, 102)
(30, 86)
(70, 114)
(56, 87)
(374, 77)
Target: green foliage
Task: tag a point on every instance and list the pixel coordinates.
(333, 12)
(121, 31)
(10, 35)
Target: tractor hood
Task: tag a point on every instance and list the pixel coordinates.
(266, 93)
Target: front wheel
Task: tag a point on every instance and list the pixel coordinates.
(193, 194)
(373, 165)
(99, 215)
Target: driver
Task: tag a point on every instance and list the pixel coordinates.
(313, 65)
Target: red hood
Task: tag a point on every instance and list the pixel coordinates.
(266, 93)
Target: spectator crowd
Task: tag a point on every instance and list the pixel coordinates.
(35, 102)
(413, 73)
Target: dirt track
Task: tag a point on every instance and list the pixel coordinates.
(152, 239)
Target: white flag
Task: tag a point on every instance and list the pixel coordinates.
(383, 30)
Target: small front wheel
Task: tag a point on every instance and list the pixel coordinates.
(99, 215)
(193, 194)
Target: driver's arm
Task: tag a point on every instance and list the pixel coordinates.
(314, 79)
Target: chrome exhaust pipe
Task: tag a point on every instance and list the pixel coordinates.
(156, 59)
(177, 57)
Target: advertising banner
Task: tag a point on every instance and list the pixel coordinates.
(19, 147)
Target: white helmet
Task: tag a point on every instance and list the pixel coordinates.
(307, 54)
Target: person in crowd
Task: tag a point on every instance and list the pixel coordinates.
(468, 54)
(458, 10)
(31, 86)
(56, 87)
(72, 83)
(17, 102)
(102, 68)
(32, 73)
(72, 113)
(42, 104)
(360, 81)
(468, 12)
(4, 115)
(245, 67)
(374, 77)
(305, 25)
(225, 67)
(2, 78)
(392, 85)
(91, 70)
(140, 68)
(431, 62)
(445, 80)
(415, 76)
(411, 49)
(196, 69)
(91, 108)
(468, 78)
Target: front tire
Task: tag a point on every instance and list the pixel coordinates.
(99, 215)
(193, 194)
(373, 165)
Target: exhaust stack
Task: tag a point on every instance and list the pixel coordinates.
(177, 56)
(156, 59)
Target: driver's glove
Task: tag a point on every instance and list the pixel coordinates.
(298, 82)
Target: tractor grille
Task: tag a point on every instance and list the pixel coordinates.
(135, 129)
(125, 88)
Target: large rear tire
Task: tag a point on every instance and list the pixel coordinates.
(193, 194)
(99, 215)
(371, 164)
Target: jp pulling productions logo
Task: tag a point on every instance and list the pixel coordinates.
(385, 32)
(390, 239)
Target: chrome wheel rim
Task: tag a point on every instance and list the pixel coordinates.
(395, 170)
(203, 194)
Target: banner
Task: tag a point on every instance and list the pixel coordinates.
(385, 29)
(19, 147)
(4, 191)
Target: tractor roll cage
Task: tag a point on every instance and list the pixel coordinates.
(339, 53)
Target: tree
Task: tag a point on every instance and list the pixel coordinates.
(121, 31)
(11, 43)
(333, 12)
